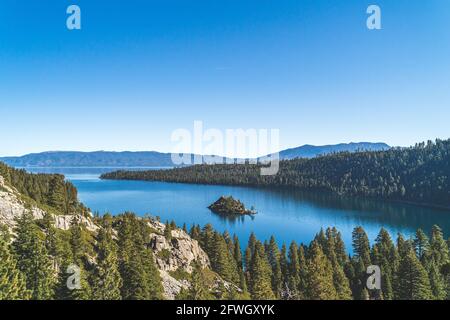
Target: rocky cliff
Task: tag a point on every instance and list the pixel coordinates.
(13, 205)
(174, 257)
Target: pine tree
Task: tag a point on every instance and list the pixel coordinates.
(12, 281)
(303, 272)
(341, 253)
(222, 261)
(237, 254)
(197, 289)
(57, 194)
(437, 282)
(340, 281)
(293, 280)
(152, 277)
(260, 274)
(80, 244)
(403, 246)
(168, 231)
(140, 276)
(358, 277)
(207, 238)
(107, 281)
(195, 232)
(361, 245)
(33, 259)
(413, 282)
(320, 276)
(384, 254)
(422, 246)
(273, 254)
(439, 249)
(252, 242)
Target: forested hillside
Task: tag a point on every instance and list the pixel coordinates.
(118, 262)
(411, 269)
(417, 174)
(50, 190)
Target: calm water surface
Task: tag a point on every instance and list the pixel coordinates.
(286, 214)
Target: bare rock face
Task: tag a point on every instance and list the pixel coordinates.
(171, 285)
(64, 222)
(12, 207)
(177, 253)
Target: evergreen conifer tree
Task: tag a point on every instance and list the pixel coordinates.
(320, 276)
(107, 281)
(260, 274)
(12, 281)
(33, 259)
(413, 282)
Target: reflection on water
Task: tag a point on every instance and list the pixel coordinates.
(385, 212)
(287, 214)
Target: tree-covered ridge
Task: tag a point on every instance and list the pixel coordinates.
(116, 262)
(50, 190)
(113, 263)
(417, 268)
(417, 174)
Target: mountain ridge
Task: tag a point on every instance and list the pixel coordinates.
(103, 158)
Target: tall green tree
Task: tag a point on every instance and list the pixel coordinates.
(141, 280)
(12, 281)
(340, 281)
(273, 254)
(319, 283)
(260, 274)
(107, 281)
(293, 280)
(413, 282)
(439, 249)
(385, 255)
(361, 245)
(33, 259)
(197, 289)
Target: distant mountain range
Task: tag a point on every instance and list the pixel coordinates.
(158, 159)
(309, 151)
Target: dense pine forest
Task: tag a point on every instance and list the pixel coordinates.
(418, 174)
(116, 263)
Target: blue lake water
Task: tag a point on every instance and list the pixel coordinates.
(288, 215)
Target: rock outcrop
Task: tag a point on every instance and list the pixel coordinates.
(13, 207)
(177, 254)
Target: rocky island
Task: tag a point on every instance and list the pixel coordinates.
(230, 206)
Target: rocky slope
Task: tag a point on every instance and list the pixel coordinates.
(12, 206)
(173, 257)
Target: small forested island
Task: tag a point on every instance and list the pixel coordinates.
(230, 206)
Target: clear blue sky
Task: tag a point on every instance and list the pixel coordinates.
(140, 69)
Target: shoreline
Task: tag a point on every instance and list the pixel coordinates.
(420, 204)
